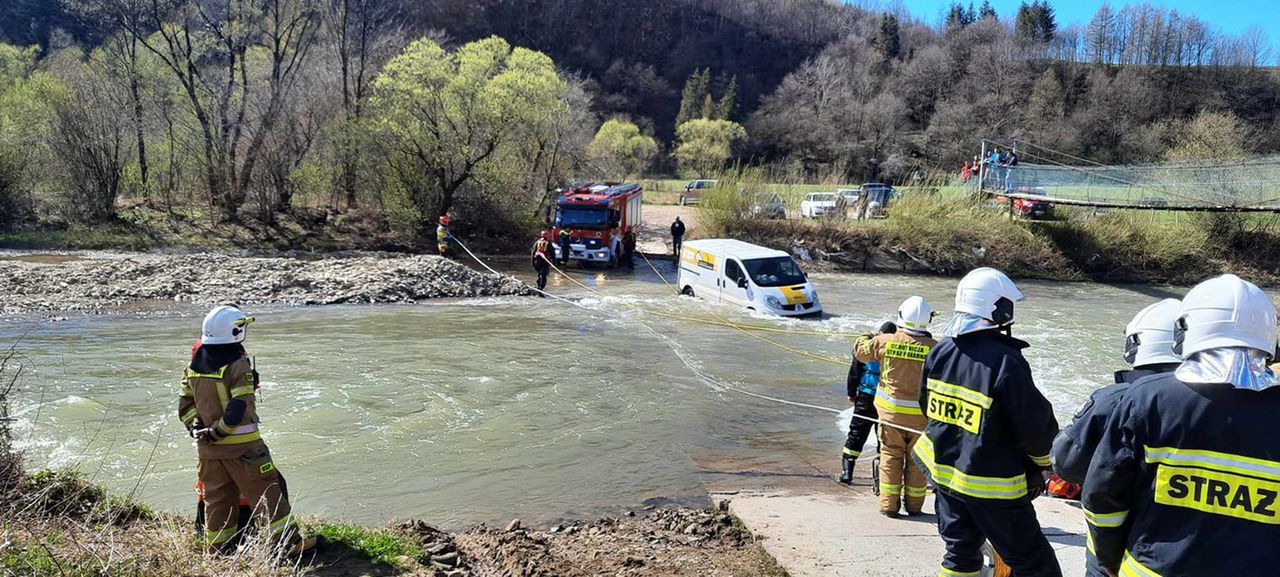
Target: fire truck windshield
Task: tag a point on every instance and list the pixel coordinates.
(582, 217)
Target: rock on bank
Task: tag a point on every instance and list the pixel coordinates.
(95, 283)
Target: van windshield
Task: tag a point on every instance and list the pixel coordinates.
(582, 217)
(774, 271)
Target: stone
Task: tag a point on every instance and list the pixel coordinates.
(514, 525)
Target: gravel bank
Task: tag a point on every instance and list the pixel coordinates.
(95, 284)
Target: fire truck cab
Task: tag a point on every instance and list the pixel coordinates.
(596, 214)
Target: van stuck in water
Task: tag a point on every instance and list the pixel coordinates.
(755, 277)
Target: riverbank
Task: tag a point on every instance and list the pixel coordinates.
(95, 282)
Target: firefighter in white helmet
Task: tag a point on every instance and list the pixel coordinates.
(987, 442)
(1186, 477)
(217, 405)
(901, 356)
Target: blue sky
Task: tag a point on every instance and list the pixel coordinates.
(1229, 16)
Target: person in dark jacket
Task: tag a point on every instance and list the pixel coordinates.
(860, 385)
(1186, 479)
(986, 447)
(677, 236)
(629, 248)
(565, 240)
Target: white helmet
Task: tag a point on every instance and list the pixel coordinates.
(914, 313)
(225, 325)
(1224, 312)
(1148, 340)
(988, 293)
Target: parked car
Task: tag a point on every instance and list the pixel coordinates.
(767, 205)
(693, 191)
(1026, 207)
(818, 204)
(873, 198)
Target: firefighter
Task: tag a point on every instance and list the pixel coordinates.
(542, 258)
(629, 248)
(901, 356)
(861, 388)
(1186, 477)
(443, 238)
(565, 240)
(217, 406)
(987, 443)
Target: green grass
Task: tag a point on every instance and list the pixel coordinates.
(378, 545)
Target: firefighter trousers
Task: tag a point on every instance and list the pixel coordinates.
(899, 474)
(543, 267)
(254, 476)
(1012, 529)
(860, 429)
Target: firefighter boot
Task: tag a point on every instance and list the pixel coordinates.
(846, 469)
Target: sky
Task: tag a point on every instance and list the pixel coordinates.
(1229, 16)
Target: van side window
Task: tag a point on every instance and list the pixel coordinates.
(732, 271)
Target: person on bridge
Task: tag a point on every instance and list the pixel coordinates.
(677, 237)
(860, 386)
(1185, 480)
(542, 258)
(897, 400)
(986, 447)
(217, 406)
(629, 248)
(443, 238)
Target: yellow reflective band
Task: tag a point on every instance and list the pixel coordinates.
(955, 411)
(917, 491)
(218, 375)
(238, 439)
(189, 415)
(966, 484)
(1041, 461)
(890, 488)
(907, 351)
(960, 392)
(219, 537)
(851, 452)
(282, 523)
(1088, 542)
(1238, 464)
(1105, 519)
(888, 403)
(1218, 493)
(944, 572)
(1130, 567)
(241, 391)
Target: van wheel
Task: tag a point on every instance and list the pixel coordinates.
(682, 200)
(687, 291)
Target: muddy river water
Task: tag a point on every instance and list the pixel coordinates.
(480, 411)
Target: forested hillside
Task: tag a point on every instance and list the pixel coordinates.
(264, 106)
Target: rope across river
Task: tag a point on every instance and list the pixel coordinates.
(719, 321)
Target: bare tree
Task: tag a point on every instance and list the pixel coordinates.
(88, 138)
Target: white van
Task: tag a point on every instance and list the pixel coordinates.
(755, 277)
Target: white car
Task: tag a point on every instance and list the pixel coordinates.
(818, 204)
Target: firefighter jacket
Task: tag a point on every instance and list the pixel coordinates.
(208, 395)
(989, 427)
(541, 250)
(901, 356)
(442, 236)
(1185, 481)
(1073, 447)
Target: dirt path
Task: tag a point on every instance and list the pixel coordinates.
(655, 233)
(818, 528)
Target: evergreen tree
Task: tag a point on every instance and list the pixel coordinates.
(1035, 22)
(696, 90)
(958, 18)
(986, 11)
(728, 105)
(888, 41)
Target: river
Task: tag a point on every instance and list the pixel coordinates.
(461, 412)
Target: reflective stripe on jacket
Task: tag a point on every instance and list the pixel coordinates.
(1186, 481)
(206, 395)
(988, 425)
(901, 356)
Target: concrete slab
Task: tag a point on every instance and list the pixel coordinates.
(839, 532)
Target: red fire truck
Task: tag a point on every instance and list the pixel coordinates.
(596, 214)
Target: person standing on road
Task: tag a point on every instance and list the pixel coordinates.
(629, 248)
(897, 401)
(1186, 477)
(677, 237)
(1148, 348)
(542, 258)
(860, 386)
(986, 447)
(217, 406)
